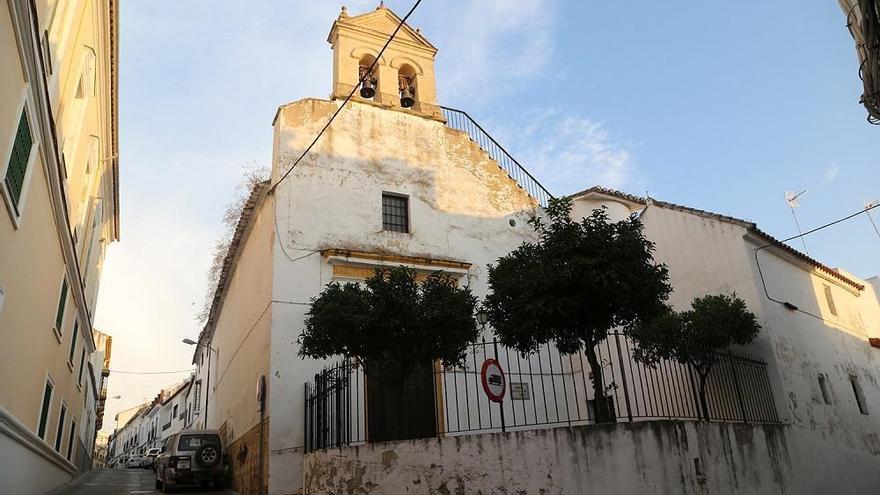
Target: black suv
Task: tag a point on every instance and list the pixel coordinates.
(191, 457)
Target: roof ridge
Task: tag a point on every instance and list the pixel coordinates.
(747, 224)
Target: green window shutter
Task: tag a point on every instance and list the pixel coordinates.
(18, 161)
(59, 316)
(44, 411)
(73, 342)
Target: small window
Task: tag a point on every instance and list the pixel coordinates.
(70, 438)
(197, 398)
(73, 343)
(829, 298)
(823, 387)
(860, 395)
(82, 362)
(395, 213)
(18, 162)
(62, 301)
(59, 434)
(44, 410)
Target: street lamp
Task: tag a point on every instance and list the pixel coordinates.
(208, 378)
(482, 317)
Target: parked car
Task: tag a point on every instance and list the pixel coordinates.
(191, 457)
(134, 461)
(150, 458)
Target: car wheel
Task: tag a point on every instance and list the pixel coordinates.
(208, 455)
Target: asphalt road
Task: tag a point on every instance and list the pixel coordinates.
(118, 482)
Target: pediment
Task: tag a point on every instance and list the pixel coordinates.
(383, 21)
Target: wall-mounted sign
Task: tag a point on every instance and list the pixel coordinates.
(493, 380)
(519, 391)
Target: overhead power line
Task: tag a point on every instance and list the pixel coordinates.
(120, 372)
(363, 76)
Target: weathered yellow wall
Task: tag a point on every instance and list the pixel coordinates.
(241, 338)
(32, 259)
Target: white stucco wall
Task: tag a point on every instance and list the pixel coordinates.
(461, 207)
(710, 256)
(658, 457)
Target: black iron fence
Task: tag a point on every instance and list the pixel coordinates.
(544, 389)
(459, 119)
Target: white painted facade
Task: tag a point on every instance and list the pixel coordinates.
(323, 222)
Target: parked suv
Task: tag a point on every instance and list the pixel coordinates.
(191, 457)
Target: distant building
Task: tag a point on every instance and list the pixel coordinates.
(58, 213)
(149, 425)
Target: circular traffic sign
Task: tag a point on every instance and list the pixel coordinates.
(493, 380)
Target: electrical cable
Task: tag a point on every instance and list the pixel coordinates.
(120, 372)
(787, 304)
(363, 76)
(361, 79)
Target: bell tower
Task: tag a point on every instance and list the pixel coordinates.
(404, 76)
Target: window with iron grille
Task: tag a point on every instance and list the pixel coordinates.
(395, 213)
(18, 161)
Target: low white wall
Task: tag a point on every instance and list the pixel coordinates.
(27, 465)
(651, 457)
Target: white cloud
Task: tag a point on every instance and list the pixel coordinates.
(569, 153)
(830, 173)
(489, 48)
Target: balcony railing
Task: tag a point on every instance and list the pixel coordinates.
(460, 120)
(545, 389)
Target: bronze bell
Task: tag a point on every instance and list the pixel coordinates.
(368, 88)
(406, 97)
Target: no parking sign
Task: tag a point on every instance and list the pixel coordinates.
(493, 380)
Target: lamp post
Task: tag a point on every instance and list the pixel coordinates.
(208, 378)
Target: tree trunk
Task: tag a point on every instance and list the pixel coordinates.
(602, 406)
(704, 405)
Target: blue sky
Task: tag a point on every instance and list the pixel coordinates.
(718, 106)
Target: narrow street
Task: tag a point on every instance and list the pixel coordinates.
(118, 482)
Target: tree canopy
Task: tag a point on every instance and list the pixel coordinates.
(695, 336)
(580, 280)
(392, 323)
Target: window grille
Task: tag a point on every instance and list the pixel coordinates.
(395, 213)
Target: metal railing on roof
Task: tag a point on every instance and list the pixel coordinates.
(460, 120)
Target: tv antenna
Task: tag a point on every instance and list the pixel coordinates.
(869, 205)
(791, 198)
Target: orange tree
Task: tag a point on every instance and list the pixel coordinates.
(391, 323)
(581, 279)
(695, 336)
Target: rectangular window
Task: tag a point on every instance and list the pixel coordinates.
(395, 213)
(44, 410)
(62, 301)
(59, 434)
(860, 395)
(829, 298)
(82, 362)
(18, 161)
(73, 343)
(823, 387)
(70, 438)
(197, 400)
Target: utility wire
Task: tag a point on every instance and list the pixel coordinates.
(829, 224)
(787, 304)
(150, 372)
(366, 74)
